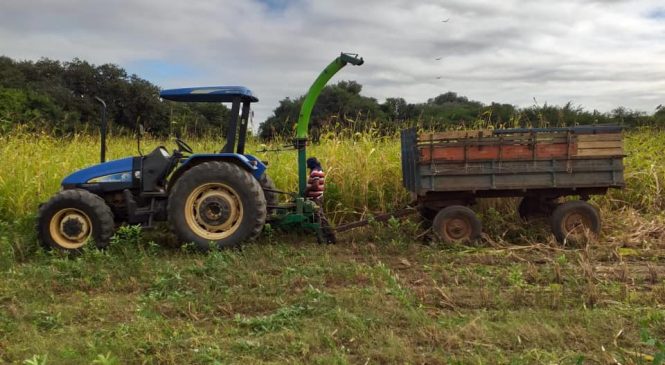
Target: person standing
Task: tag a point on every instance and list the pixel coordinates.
(314, 191)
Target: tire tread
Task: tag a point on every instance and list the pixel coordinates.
(454, 210)
(231, 172)
(561, 211)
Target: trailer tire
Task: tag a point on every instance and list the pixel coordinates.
(575, 221)
(71, 218)
(457, 223)
(216, 204)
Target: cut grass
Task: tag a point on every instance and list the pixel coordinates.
(383, 302)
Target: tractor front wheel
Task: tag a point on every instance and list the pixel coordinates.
(72, 218)
(216, 203)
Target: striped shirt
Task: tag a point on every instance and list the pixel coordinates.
(315, 184)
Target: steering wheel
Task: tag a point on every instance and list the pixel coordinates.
(183, 146)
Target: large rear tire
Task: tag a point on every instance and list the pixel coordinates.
(216, 204)
(72, 218)
(272, 198)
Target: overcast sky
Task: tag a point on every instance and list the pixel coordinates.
(599, 54)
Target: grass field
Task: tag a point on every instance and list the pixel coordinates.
(382, 295)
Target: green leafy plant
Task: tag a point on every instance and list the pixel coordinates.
(105, 359)
(657, 346)
(36, 360)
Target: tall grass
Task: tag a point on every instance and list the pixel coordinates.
(363, 172)
(645, 172)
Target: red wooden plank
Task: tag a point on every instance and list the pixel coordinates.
(508, 152)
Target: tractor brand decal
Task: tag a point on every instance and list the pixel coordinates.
(119, 177)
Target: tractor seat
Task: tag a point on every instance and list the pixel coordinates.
(154, 168)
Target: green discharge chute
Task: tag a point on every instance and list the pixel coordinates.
(306, 111)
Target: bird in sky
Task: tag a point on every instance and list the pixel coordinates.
(445, 21)
(438, 58)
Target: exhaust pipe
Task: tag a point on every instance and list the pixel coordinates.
(102, 127)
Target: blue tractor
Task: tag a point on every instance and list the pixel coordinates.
(216, 199)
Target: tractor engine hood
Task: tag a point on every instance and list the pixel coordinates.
(116, 171)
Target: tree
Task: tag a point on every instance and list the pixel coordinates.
(448, 98)
(59, 96)
(659, 117)
(339, 106)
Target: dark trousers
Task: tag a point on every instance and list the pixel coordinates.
(328, 231)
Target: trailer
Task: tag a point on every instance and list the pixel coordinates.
(447, 172)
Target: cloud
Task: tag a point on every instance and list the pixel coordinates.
(600, 54)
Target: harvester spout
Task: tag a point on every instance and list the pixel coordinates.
(306, 111)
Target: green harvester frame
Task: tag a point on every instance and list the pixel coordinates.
(301, 214)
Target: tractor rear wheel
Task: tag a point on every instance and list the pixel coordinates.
(457, 223)
(216, 204)
(272, 198)
(72, 218)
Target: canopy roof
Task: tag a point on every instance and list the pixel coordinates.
(209, 94)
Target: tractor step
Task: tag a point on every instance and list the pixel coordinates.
(144, 215)
(155, 194)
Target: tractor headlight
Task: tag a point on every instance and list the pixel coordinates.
(119, 177)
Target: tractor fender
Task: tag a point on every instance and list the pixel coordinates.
(247, 162)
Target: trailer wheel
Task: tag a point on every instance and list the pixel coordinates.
(216, 203)
(457, 223)
(73, 217)
(575, 221)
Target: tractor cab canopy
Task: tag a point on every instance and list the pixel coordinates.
(236, 95)
(210, 94)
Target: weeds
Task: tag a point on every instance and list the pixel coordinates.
(286, 317)
(657, 346)
(36, 360)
